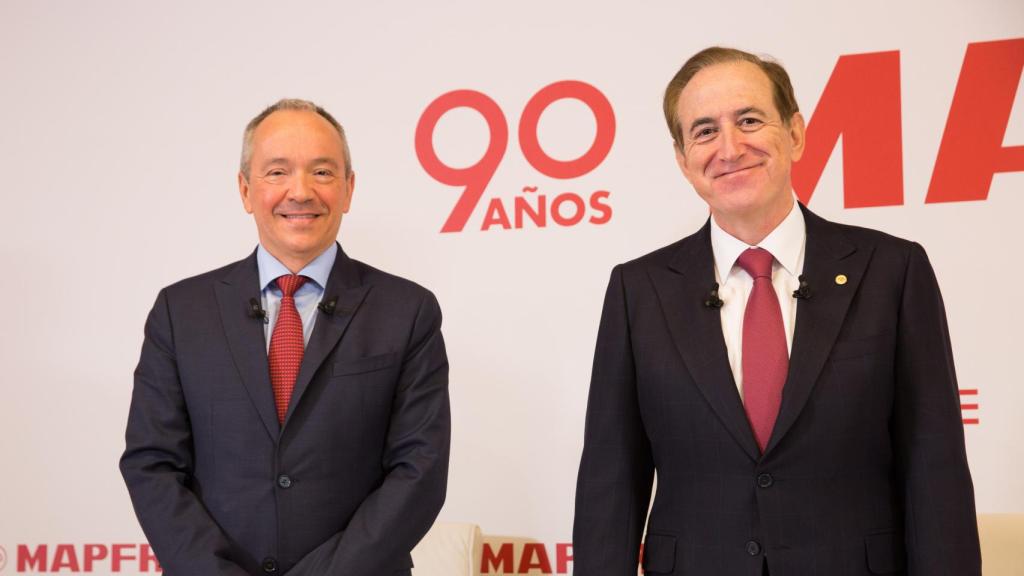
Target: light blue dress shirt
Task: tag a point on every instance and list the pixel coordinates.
(307, 298)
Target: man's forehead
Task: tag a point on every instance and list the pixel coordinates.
(290, 125)
(328, 160)
(725, 88)
(292, 119)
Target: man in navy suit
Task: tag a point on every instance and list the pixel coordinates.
(290, 412)
(788, 379)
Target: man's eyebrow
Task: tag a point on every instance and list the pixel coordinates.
(271, 161)
(700, 122)
(325, 160)
(740, 112)
(750, 109)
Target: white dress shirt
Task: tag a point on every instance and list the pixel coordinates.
(786, 243)
(307, 298)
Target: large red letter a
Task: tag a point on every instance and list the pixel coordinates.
(972, 146)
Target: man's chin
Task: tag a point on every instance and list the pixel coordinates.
(296, 248)
(736, 195)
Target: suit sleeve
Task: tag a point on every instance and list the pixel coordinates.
(393, 518)
(158, 461)
(613, 489)
(941, 526)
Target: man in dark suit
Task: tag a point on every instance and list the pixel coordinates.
(290, 411)
(788, 379)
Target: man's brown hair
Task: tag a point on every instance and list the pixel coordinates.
(782, 89)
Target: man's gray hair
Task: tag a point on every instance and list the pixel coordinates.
(291, 104)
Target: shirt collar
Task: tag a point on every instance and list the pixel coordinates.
(318, 270)
(785, 242)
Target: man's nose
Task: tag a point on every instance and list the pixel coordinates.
(301, 188)
(731, 143)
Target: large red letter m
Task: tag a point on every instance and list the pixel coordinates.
(496, 562)
(861, 103)
(35, 561)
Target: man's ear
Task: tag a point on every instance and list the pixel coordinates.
(681, 159)
(797, 135)
(346, 202)
(243, 191)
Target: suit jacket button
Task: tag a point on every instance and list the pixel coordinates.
(753, 548)
(269, 565)
(765, 481)
(284, 481)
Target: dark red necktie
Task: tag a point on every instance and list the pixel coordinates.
(286, 344)
(765, 357)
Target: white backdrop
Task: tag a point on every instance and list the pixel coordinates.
(120, 129)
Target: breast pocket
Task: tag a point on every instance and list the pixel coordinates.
(863, 346)
(659, 554)
(366, 365)
(359, 394)
(857, 383)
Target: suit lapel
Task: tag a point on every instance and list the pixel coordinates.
(696, 330)
(345, 284)
(829, 254)
(245, 336)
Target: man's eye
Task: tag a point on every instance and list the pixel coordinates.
(323, 175)
(704, 134)
(750, 122)
(275, 176)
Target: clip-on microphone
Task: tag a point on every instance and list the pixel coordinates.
(328, 306)
(804, 291)
(712, 301)
(256, 310)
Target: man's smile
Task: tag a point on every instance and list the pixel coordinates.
(741, 170)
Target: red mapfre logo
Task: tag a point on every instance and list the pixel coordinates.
(860, 103)
(565, 208)
(84, 558)
(500, 558)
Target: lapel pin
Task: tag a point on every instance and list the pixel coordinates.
(841, 279)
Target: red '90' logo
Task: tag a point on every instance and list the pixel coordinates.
(566, 209)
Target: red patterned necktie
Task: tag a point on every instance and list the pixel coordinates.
(286, 344)
(765, 357)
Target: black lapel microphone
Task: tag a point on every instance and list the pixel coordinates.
(712, 301)
(256, 310)
(328, 306)
(804, 291)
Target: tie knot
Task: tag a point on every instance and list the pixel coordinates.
(290, 283)
(757, 262)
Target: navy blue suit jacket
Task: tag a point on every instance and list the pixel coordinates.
(865, 471)
(356, 474)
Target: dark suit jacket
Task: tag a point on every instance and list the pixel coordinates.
(865, 471)
(351, 481)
